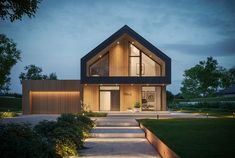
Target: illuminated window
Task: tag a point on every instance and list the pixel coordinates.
(100, 67)
(141, 64)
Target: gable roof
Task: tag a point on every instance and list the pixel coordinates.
(126, 79)
(126, 29)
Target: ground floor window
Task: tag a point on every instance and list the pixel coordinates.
(151, 98)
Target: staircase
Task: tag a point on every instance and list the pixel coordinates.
(115, 127)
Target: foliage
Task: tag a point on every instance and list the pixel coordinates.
(10, 104)
(137, 105)
(204, 79)
(227, 77)
(14, 9)
(94, 114)
(169, 97)
(67, 134)
(14, 95)
(215, 106)
(19, 140)
(196, 137)
(8, 114)
(207, 99)
(35, 73)
(9, 56)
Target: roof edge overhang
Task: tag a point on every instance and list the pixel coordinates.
(126, 29)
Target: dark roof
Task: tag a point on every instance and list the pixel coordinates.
(230, 90)
(126, 30)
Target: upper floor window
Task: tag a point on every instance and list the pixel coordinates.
(141, 64)
(100, 67)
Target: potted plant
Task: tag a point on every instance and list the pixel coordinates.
(129, 109)
(137, 106)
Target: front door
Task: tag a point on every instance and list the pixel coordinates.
(115, 100)
(109, 98)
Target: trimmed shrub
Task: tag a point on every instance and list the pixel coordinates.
(19, 140)
(67, 134)
(94, 114)
(8, 114)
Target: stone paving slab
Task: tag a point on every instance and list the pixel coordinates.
(118, 148)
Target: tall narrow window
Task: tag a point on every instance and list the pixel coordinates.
(100, 67)
(134, 66)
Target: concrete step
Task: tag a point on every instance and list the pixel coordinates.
(116, 122)
(117, 132)
(138, 114)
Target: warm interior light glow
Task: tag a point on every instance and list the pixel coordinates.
(54, 92)
(132, 42)
(118, 42)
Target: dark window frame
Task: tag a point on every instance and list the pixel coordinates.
(140, 60)
(97, 60)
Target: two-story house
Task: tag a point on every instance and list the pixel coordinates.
(122, 70)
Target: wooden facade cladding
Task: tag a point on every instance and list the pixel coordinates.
(51, 96)
(91, 97)
(117, 46)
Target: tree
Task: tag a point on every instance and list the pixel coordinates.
(191, 82)
(169, 97)
(227, 77)
(9, 55)
(202, 79)
(35, 73)
(16, 9)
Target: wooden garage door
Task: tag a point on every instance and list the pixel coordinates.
(55, 102)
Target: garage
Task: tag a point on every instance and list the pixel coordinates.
(55, 102)
(51, 96)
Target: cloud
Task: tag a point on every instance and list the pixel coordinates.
(224, 47)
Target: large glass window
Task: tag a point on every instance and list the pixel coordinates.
(141, 64)
(149, 66)
(100, 67)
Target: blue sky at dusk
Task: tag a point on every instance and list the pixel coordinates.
(64, 31)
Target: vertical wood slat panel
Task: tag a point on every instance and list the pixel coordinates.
(56, 96)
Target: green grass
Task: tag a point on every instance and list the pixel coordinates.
(10, 104)
(199, 138)
(210, 112)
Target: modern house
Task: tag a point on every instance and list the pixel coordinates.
(122, 70)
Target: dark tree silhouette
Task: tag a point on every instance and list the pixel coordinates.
(9, 55)
(16, 9)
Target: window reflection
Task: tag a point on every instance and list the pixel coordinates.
(100, 67)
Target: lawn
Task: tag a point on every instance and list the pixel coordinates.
(199, 138)
(211, 112)
(10, 104)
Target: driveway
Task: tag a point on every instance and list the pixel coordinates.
(32, 119)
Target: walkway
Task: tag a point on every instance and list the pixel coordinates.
(118, 137)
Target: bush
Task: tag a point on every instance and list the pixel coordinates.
(95, 114)
(19, 140)
(67, 134)
(8, 114)
(137, 105)
(220, 106)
